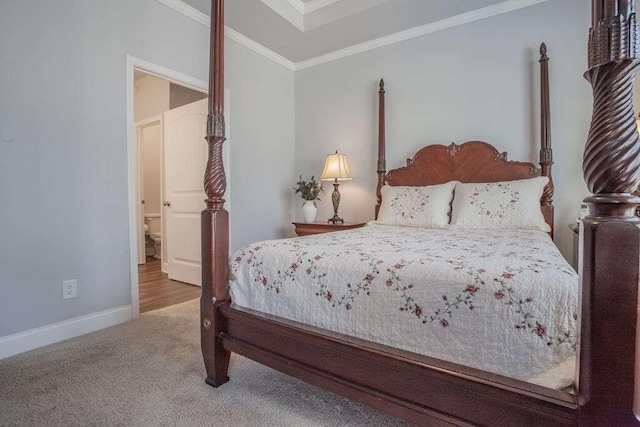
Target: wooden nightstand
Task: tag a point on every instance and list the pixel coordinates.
(306, 229)
(575, 227)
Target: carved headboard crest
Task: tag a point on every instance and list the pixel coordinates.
(473, 161)
(453, 149)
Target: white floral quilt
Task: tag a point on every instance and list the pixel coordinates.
(503, 301)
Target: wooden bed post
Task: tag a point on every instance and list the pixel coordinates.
(611, 237)
(382, 164)
(215, 219)
(546, 152)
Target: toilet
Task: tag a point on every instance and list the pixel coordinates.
(153, 235)
(156, 238)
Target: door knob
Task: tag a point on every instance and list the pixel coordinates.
(167, 204)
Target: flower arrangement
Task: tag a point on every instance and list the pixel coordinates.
(309, 189)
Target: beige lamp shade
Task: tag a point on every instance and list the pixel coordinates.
(336, 167)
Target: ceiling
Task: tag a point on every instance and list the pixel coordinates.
(300, 30)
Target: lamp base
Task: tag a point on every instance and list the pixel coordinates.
(335, 198)
(335, 220)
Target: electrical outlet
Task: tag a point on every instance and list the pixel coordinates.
(69, 289)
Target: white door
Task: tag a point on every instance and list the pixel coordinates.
(185, 159)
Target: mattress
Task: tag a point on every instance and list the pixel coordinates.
(503, 301)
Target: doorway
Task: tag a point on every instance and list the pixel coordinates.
(167, 127)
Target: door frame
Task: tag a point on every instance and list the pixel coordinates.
(142, 124)
(133, 63)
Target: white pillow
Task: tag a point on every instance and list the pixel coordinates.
(500, 205)
(426, 207)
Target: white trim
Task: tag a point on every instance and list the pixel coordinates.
(132, 160)
(258, 48)
(314, 5)
(188, 11)
(299, 5)
(56, 332)
(296, 11)
(291, 10)
(203, 19)
(444, 24)
(310, 6)
(168, 74)
(151, 120)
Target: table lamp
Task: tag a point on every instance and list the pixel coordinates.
(336, 168)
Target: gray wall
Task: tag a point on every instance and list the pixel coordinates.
(63, 176)
(477, 81)
(180, 95)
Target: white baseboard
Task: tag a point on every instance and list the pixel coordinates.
(50, 334)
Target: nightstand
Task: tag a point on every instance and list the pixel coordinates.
(306, 229)
(575, 227)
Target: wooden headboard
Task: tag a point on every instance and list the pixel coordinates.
(473, 161)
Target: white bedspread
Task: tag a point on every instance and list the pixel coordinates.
(501, 301)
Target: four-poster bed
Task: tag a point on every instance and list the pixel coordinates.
(424, 390)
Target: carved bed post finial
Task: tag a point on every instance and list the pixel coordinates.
(215, 219)
(382, 164)
(546, 152)
(543, 51)
(610, 234)
(215, 181)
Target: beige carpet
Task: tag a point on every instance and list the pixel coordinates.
(150, 372)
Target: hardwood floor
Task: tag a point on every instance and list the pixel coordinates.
(157, 291)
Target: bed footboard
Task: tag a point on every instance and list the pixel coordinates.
(416, 388)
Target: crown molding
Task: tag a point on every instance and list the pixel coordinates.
(298, 5)
(203, 19)
(314, 5)
(291, 10)
(444, 24)
(310, 6)
(245, 41)
(298, 12)
(188, 11)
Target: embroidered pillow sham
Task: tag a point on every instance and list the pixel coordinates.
(500, 205)
(426, 207)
